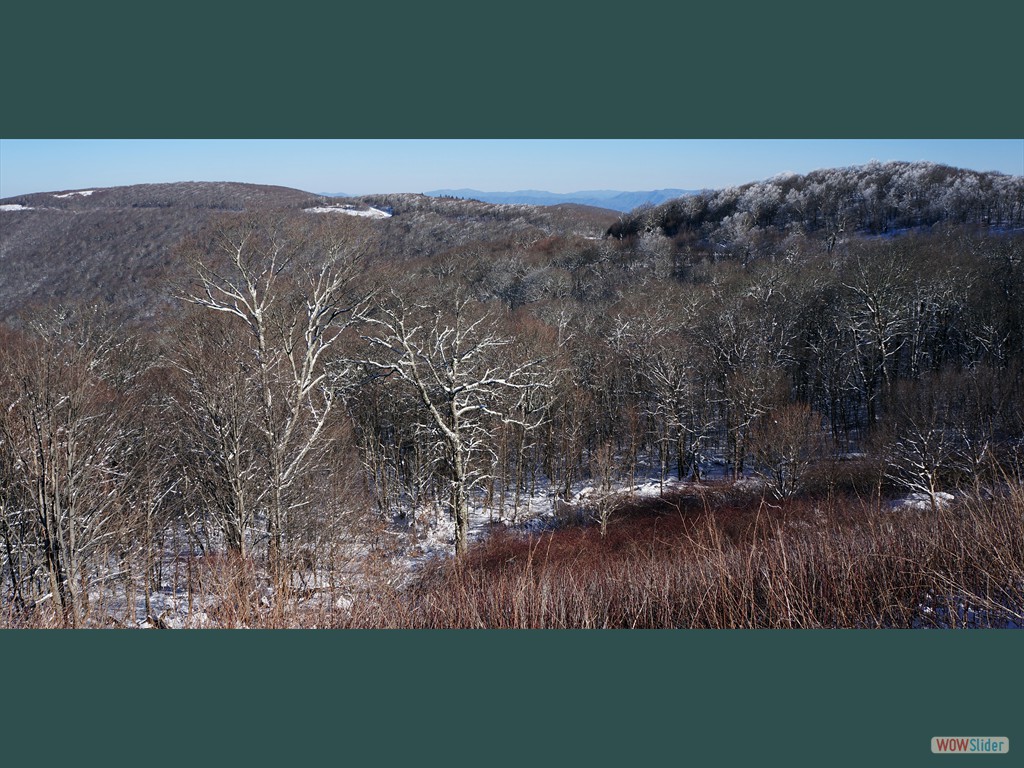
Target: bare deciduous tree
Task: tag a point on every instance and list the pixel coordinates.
(786, 442)
(926, 450)
(68, 454)
(289, 296)
(454, 361)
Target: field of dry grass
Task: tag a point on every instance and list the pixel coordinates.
(717, 560)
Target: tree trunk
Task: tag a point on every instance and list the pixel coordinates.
(460, 503)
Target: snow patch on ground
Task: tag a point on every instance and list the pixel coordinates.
(945, 611)
(370, 213)
(923, 501)
(15, 207)
(83, 193)
(652, 489)
(545, 509)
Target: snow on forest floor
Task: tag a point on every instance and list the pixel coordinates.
(923, 501)
(412, 539)
(543, 510)
(415, 538)
(949, 611)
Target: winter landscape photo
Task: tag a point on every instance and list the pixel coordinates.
(486, 384)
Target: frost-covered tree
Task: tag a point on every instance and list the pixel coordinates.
(455, 362)
(287, 295)
(877, 317)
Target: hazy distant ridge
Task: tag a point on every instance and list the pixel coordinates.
(615, 200)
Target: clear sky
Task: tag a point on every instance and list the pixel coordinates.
(361, 166)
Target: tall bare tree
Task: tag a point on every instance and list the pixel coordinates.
(456, 362)
(288, 290)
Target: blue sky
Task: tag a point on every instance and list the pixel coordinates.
(362, 166)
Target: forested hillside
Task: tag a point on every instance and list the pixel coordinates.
(873, 199)
(218, 403)
(117, 247)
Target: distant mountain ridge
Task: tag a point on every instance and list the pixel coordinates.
(611, 199)
(118, 246)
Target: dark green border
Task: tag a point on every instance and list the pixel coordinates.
(712, 698)
(912, 70)
(645, 69)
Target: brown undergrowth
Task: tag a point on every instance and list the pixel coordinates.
(714, 558)
(711, 556)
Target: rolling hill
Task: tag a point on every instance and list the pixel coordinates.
(118, 246)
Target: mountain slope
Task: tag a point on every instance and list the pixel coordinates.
(614, 200)
(872, 199)
(118, 246)
(113, 245)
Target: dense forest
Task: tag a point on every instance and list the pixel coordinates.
(264, 416)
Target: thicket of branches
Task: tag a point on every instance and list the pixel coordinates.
(309, 390)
